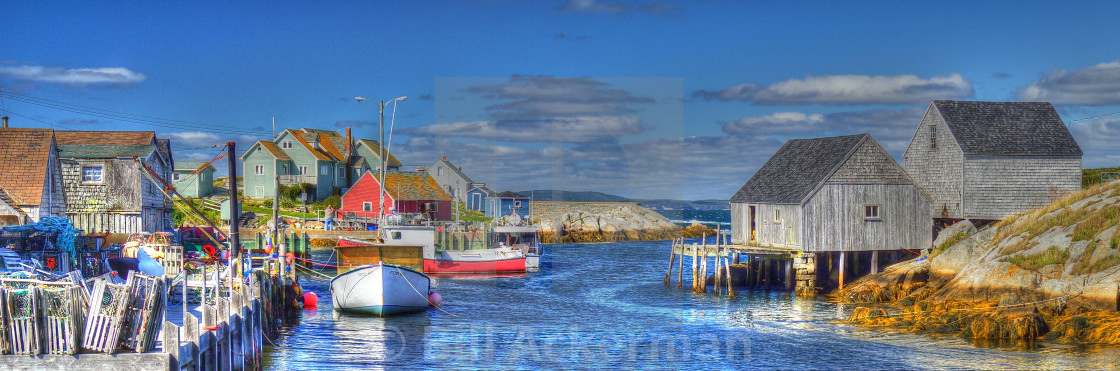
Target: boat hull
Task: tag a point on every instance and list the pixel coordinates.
(515, 265)
(381, 290)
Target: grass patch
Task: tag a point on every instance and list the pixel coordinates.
(1084, 262)
(949, 242)
(1033, 223)
(1091, 177)
(473, 216)
(1104, 263)
(1052, 255)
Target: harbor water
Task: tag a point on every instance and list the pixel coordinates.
(605, 306)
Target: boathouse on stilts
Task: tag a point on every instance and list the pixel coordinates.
(839, 207)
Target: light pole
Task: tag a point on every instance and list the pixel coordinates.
(384, 160)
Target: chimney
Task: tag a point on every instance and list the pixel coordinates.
(5, 119)
(349, 181)
(444, 156)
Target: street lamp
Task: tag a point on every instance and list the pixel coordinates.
(384, 160)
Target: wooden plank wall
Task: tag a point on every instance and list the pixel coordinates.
(835, 220)
(999, 186)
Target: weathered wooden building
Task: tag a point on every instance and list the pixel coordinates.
(990, 160)
(827, 201)
(831, 194)
(106, 191)
(31, 180)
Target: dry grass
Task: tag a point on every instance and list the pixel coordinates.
(949, 242)
(1034, 223)
(1052, 255)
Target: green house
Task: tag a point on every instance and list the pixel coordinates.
(193, 179)
(324, 159)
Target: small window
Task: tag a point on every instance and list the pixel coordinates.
(871, 212)
(439, 171)
(932, 137)
(777, 215)
(303, 170)
(92, 174)
(396, 235)
(283, 169)
(286, 144)
(175, 177)
(367, 206)
(259, 170)
(258, 149)
(324, 170)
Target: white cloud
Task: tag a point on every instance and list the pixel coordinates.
(561, 129)
(848, 89)
(1097, 140)
(73, 76)
(892, 129)
(548, 97)
(595, 7)
(778, 123)
(1093, 85)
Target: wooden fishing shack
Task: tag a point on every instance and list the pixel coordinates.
(842, 204)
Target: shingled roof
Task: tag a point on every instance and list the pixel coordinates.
(105, 138)
(25, 154)
(1007, 128)
(192, 166)
(796, 170)
(376, 149)
(410, 186)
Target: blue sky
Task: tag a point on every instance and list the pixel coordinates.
(646, 99)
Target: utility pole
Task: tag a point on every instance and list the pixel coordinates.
(234, 217)
(281, 249)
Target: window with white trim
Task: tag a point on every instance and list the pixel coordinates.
(259, 170)
(92, 174)
(303, 170)
(286, 144)
(367, 206)
(777, 215)
(871, 212)
(324, 170)
(933, 137)
(175, 177)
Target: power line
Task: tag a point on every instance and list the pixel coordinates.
(122, 116)
(1092, 117)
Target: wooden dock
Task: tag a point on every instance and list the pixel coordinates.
(227, 332)
(755, 267)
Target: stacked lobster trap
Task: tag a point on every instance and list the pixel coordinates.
(67, 315)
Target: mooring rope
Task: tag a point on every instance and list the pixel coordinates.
(313, 271)
(422, 295)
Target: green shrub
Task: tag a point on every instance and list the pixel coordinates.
(266, 203)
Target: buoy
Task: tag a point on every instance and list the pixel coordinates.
(291, 256)
(434, 299)
(310, 300)
(268, 249)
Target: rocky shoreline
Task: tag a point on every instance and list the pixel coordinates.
(576, 222)
(1049, 274)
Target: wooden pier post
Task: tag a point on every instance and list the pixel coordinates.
(727, 268)
(789, 274)
(841, 263)
(874, 261)
(719, 272)
(758, 272)
(672, 255)
(696, 266)
(680, 266)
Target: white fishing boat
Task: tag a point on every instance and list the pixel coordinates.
(523, 239)
(381, 290)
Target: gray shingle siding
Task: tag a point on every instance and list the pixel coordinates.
(992, 159)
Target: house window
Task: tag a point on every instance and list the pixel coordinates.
(258, 149)
(175, 177)
(92, 174)
(341, 172)
(303, 170)
(286, 144)
(871, 212)
(439, 171)
(932, 137)
(283, 169)
(324, 170)
(777, 215)
(396, 235)
(259, 170)
(367, 206)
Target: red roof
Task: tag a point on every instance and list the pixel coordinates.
(25, 154)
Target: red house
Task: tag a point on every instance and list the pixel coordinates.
(406, 193)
